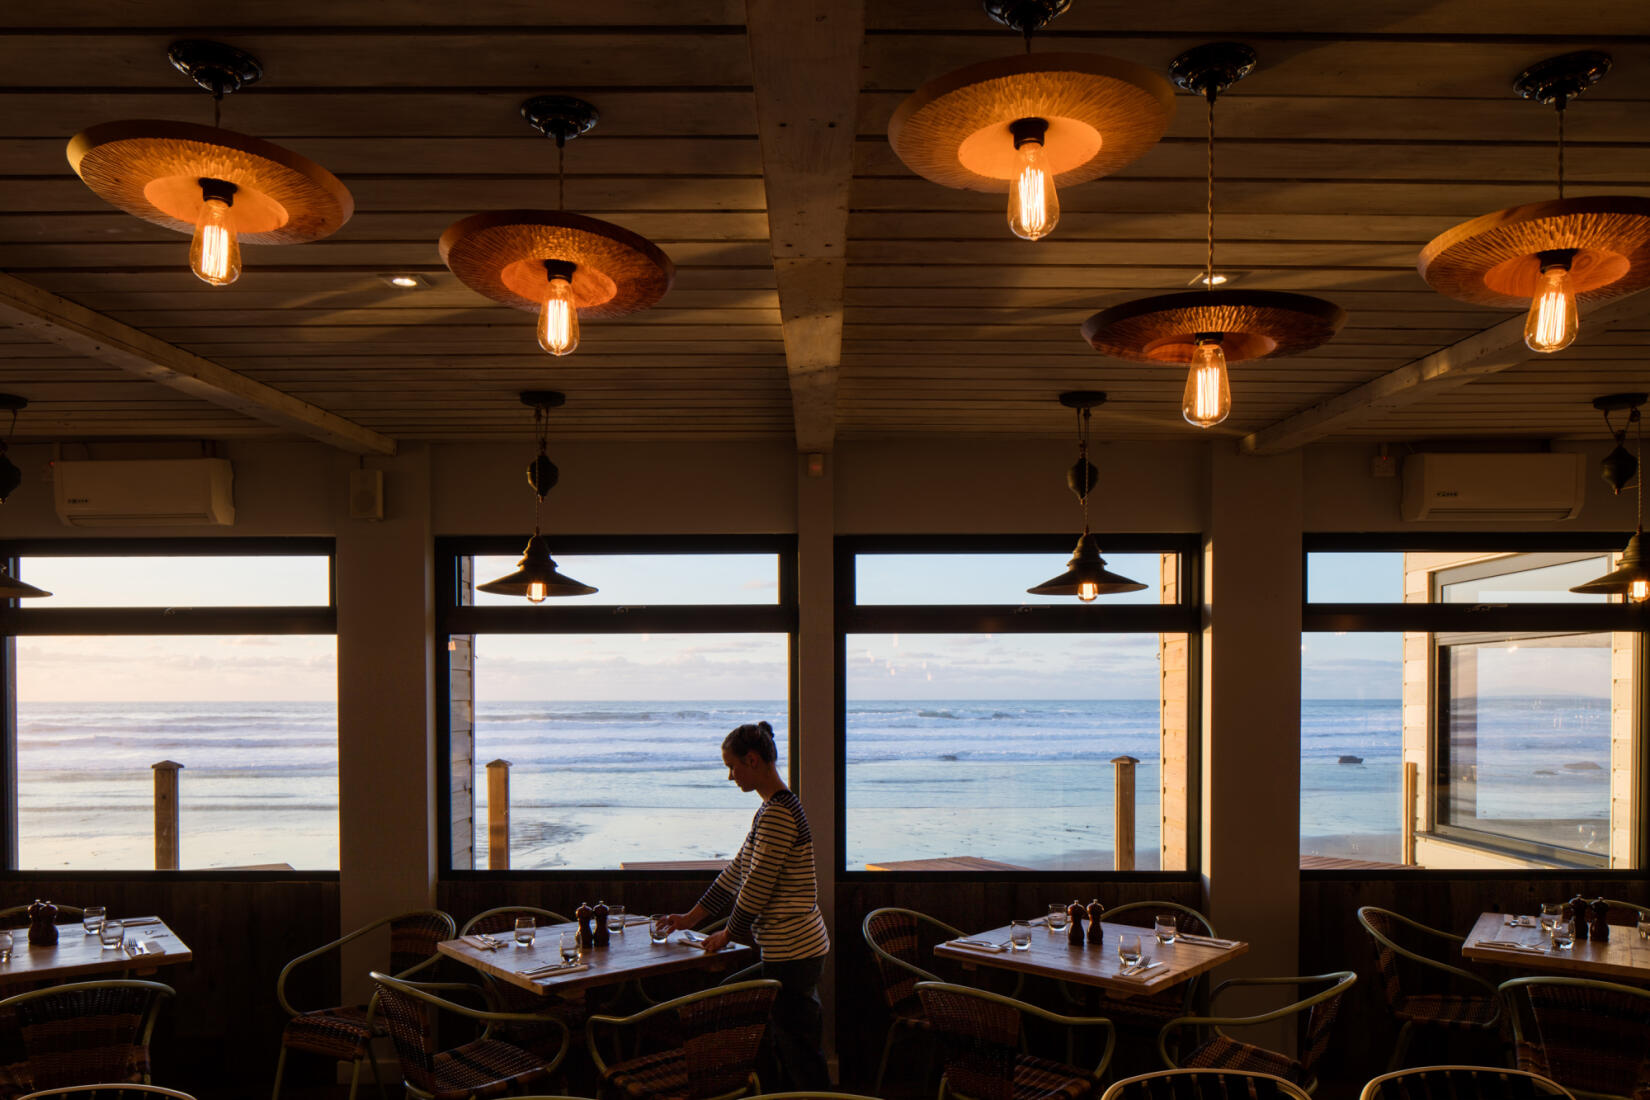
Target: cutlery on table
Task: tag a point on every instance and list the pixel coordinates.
(134, 922)
(1512, 945)
(485, 943)
(1205, 941)
(981, 945)
(1519, 922)
(1138, 969)
(553, 968)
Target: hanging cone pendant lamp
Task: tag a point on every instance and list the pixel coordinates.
(561, 266)
(537, 576)
(1031, 124)
(225, 188)
(1211, 328)
(1086, 575)
(1631, 578)
(1548, 256)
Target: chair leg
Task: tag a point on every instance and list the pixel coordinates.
(280, 1069)
(377, 1074)
(1405, 1034)
(355, 1077)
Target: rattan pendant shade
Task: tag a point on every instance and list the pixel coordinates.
(1252, 324)
(1102, 114)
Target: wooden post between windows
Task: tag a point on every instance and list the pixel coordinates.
(1411, 779)
(1124, 803)
(166, 815)
(498, 815)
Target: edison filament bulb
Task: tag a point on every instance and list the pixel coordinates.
(536, 591)
(1087, 590)
(1208, 397)
(1033, 206)
(1553, 321)
(559, 318)
(215, 251)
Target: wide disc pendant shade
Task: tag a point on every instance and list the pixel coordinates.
(1102, 114)
(536, 568)
(1495, 260)
(501, 254)
(1620, 581)
(1252, 324)
(153, 169)
(1086, 571)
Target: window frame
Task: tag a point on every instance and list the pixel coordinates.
(1461, 621)
(24, 621)
(451, 617)
(1185, 616)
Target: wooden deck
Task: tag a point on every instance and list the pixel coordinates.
(1336, 863)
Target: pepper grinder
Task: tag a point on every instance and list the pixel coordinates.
(1096, 911)
(42, 923)
(1600, 929)
(1074, 925)
(1578, 906)
(584, 915)
(599, 914)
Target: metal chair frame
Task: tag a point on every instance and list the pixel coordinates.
(549, 916)
(1508, 993)
(1024, 1009)
(754, 1085)
(1406, 1033)
(146, 1028)
(1372, 1089)
(899, 1024)
(372, 1002)
(94, 1092)
(1342, 981)
(1121, 1090)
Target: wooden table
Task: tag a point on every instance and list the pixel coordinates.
(945, 863)
(1624, 956)
(628, 956)
(1096, 963)
(77, 955)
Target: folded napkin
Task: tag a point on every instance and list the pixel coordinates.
(1206, 941)
(483, 943)
(133, 922)
(554, 969)
(1512, 945)
(980, 945)
(1519, 922)
(145, 947)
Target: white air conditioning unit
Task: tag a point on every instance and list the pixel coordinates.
(154, 493)
(1488, 488)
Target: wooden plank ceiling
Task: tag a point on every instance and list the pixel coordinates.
(1365, 130)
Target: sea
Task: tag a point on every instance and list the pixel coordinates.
(596, 784)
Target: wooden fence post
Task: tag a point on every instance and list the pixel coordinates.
(1123, 801)
(498, 815)
(166, 815)
(1411, 781)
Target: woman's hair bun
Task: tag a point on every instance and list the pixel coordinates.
(754, 737)
(765, 728)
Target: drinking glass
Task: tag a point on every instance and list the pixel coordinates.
(615, 919)
(1564, 934)
(1019, 935)
(1057, 916)
(1644, 925)
(92, 918)
(569, 945)
(656, 929)
(111, 933)
(1128, 948)
(526, 930)
(5, 946)
(1166, 927)
(1549, 915)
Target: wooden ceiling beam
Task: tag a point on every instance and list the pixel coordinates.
(95, 336)
(805, 73)
(1483, 353)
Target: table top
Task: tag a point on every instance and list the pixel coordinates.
(1624, 956)
(1097, 963)
(631, 955)
(77, 955)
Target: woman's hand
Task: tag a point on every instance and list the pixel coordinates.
(715, 942)
(676, 921)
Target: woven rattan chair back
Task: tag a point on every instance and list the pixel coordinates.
(413, 937)
(1462, 1083)
(411, 1024)
(979, 1039)
(1591, 1037)
(1204, 1084)
(720, 1038)
(79, 1034)
(17, 916)
(491, 922)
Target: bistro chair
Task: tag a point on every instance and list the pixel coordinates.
(718, 1033)
(1462, 1083)
(1154, 1011)
(345, 1032)
(1218, 1050)
(1591, 1037)
(106, 1090)
(1205, 1084)
(502, 996)
(79, 1034)
(484, 1066)
(898, 938)
(1445, 1012)
(980, 1035)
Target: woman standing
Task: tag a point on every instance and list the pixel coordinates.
(770, 897)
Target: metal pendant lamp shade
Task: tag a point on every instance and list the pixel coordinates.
(1631, 578)
(1086, 575)
(13, 589)
(537, 576)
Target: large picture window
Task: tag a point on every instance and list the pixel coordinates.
(216, 656)
(986, 729)
(1461, 708)
(606, 712)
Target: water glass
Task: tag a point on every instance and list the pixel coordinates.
(5, 946)
(91, 918)
(1166, 927)
(1550, 911)
(1564, 934)
(615, 919)
(1128, 948)
(1057, 916)
(111, 933)
(1019, 935)
(1644, 926)
(568, 944)
(526, 930)
(658, 931)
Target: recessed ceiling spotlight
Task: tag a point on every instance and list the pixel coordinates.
(403, 281)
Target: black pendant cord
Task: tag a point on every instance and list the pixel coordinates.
(1559, 102)
(1083, 462)
(217, 108)
(1638, 431)
(561, 176)
(541, 426)
(1209, 269)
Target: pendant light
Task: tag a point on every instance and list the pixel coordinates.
(225, 188)
(1630, 579)
(1086, 575)
(1548, 255)
(561, 266)
(1210, 328)
(1027, 124)
(10, 478)
(536, 575)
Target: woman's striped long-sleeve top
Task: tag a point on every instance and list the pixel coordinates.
(768, 893)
